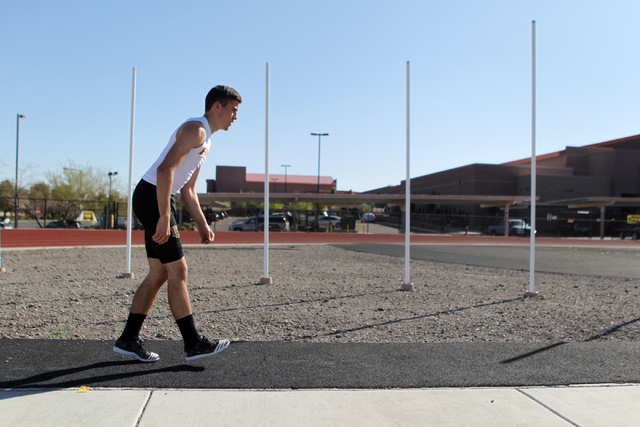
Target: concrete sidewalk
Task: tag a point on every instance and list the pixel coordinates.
(596, 405)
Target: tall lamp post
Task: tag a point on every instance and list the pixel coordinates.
(319, 135)
(111, 175)
(19, 116)
(285, 176)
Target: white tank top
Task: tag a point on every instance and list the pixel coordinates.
(195, 158)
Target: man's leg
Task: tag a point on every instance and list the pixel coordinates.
(129, 343)
(179, 301)
(195, 346)
(150, 287)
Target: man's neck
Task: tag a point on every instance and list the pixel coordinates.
(212, 124)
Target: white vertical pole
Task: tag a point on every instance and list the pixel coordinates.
(2, 269)
(407, 285)
(266, 279)
(128, 272)
(532, 249)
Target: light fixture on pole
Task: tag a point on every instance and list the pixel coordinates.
(319, 135)
(111, 175)
(19, 116)
(285, 176)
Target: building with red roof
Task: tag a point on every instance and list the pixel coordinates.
(235, 179)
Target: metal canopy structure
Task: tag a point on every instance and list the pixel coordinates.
(345, 199)
(597, 202)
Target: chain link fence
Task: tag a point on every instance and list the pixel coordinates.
(57, 213)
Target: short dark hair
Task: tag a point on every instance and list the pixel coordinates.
(221, 94)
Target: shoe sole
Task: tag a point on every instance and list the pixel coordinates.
(153, 357)
(222, 344)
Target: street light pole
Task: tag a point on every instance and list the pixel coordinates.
(317, 223)
(111, 175)
(285, 176)
(19, 116)
(319, 135)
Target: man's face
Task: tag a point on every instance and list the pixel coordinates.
(228, 114)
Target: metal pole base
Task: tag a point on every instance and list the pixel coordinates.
(535, 294)
(407, 287)
(128, 276)
(265, 281)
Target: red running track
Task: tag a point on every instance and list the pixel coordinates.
(38, 238)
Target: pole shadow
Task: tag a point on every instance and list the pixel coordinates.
(406, 319)
(558, 344)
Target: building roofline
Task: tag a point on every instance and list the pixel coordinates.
(540, 157)
(291, 179)
(605, 144)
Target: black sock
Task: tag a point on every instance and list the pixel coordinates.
(132, 329)
(188, 331)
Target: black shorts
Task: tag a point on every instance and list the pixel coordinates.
(145, 207)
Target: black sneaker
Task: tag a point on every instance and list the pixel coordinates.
(204, 348)
(134, 349)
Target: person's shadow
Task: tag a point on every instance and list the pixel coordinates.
(47, 379)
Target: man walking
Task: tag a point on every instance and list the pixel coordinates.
(175, 170)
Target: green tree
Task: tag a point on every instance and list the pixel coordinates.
(366, 207)
(77, 182)
(7, 190)
(36, 200)
(308, 206)
(75, 186)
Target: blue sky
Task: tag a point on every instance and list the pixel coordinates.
(336, 67)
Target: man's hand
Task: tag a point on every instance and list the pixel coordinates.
(162, 231)
(206, 234)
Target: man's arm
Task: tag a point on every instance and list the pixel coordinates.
(192, 203)
(189, 136)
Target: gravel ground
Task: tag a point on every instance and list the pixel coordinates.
(320, 294)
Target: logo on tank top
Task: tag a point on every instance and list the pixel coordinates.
(204, 152)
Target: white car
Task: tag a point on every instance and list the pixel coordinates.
(332, 219)
(250, 224)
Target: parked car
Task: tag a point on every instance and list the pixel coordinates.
(122, 224)
(368, 217)
(517, 227)
(211, 215)
(64, 224)
(5, 225)
(87, 219)
(276, 223)
(326, 220)
(632, 231)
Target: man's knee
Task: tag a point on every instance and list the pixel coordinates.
(158, 278)
(177, 270)
(158, 273)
